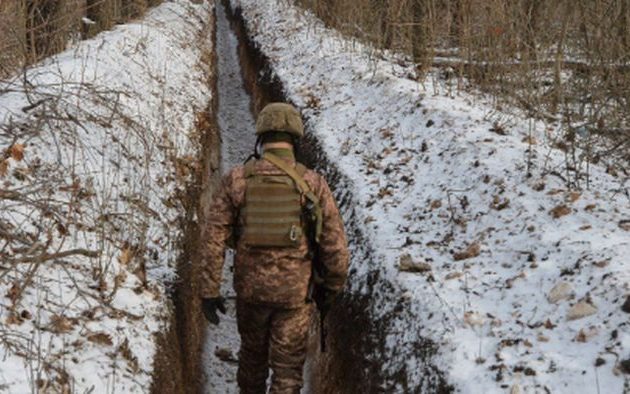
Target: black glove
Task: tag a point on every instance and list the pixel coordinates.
(210, 307)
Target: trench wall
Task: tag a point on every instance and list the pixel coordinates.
(178, 363)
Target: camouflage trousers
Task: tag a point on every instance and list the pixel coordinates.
(272, 338)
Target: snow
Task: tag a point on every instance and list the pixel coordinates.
(237, 127)
(429, 178)
(108, 130)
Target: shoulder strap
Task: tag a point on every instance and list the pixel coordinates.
(301, 169)
(302, 186)
(250, 168)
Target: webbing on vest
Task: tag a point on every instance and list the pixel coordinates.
(315, 209)
(272, 211)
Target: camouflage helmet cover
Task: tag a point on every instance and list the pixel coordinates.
(280, 117)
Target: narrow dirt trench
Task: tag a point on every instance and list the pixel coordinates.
(236, 128)
(245, 84)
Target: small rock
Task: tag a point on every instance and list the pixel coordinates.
(626, 305)
(599, 362)
(407, 264)
(580, 310)
(561, 291)
(624, 225)
(516, 389)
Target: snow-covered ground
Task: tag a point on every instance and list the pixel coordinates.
(237, 127)
(96, 147)
(472, 246)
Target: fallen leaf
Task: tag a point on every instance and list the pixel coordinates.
(473, 319)
(473, 250)
(559, 211)
(407, 264)
(4, 168)
(530, 140)
(126, 256)
(100, 338)
(585, 334)
(14, 292)
(453, 275)
(126, 352)
(17, 152)
(499, 204)
(60, 324)
(573, 197)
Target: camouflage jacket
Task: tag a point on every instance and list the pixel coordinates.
(274, 276)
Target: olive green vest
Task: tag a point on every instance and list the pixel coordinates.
(273, 209)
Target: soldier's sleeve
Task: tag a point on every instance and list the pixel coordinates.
(333, 245)
(214, 237)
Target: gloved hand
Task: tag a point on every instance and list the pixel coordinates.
(324, 298)
(210, 307)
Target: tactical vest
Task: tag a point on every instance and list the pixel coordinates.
(273, 209)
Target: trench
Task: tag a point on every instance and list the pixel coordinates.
(178, 367)
(246, 83)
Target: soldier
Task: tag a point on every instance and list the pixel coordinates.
(271, 208)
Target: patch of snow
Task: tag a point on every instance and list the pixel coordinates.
(108, 136)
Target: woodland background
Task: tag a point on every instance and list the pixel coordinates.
(564, 61)
(567, 62)
(31, 30)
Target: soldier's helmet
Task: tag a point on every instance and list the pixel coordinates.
(280, 117)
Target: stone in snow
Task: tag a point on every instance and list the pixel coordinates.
(580, 310)
(561, 291)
